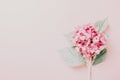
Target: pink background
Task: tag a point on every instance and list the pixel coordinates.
(31, 33)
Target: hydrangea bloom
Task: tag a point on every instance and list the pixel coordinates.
(89, 41)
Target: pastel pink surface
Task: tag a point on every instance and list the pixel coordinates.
(31, 33)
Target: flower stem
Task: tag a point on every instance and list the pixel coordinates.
(90, 69)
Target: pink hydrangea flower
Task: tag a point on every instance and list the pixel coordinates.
(89, 41)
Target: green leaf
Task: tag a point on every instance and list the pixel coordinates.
(72, 57)
(101, 25)
(69, 38)
(100, 57)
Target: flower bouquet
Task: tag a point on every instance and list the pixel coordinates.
(88, 45)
